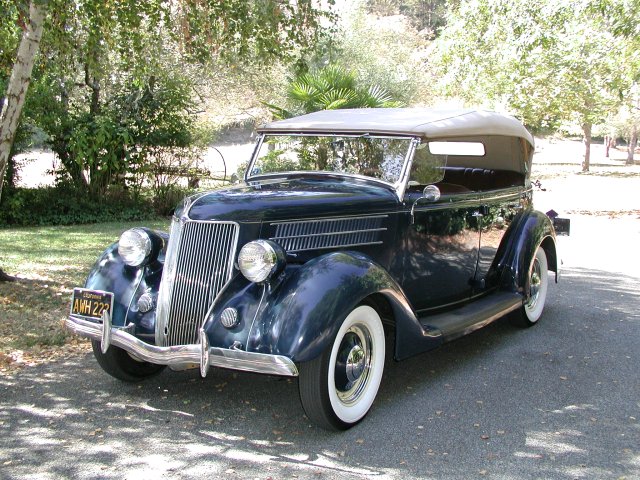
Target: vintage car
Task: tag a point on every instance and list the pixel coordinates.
(350, 226)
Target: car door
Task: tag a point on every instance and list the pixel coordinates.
(440, 250)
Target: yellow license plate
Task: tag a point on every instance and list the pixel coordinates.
(91, 303)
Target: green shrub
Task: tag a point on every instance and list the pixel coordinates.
(66, 205)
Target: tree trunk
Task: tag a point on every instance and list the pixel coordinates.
(586, 130)
(5, 277)
(19, 82)
(633, 141)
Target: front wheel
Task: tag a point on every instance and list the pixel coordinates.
(338, 388)
(119, 364)
(537, 283)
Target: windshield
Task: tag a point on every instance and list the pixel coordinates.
(376, 157)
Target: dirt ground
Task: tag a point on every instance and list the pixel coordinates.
(609, 189)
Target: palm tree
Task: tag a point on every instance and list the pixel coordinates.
(331, 88)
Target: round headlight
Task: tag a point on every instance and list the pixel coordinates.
(134, 246)
(260, 259)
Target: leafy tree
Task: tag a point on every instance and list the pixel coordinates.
(83, 37)
(429, 15)
(86, 41)
(622, 16)
(32, 23)
(388, 51)
(547, 61)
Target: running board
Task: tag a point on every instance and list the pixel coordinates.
(474, 315)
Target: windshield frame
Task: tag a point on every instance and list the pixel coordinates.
(398, 186)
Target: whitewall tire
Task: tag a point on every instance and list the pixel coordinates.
(339, 387)
(537, 286)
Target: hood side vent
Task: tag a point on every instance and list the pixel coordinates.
(306, 235)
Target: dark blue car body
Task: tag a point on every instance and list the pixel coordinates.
(432, 268)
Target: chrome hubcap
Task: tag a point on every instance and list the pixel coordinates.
(534, 284)
(353, 364)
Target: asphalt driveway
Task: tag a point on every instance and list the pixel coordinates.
(560, 400)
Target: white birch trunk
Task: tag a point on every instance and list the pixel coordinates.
(586, 140)
(19, 82)
(633, 141)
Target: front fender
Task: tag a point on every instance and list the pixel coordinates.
(111, 274)
(533, 230)
(304, 312)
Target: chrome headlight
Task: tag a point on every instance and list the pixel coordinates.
(260, 259)
(134, 246)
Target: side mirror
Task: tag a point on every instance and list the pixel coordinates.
(430, 194)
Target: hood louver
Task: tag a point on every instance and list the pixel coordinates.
(306, 235)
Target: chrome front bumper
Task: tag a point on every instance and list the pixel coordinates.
(181, 355)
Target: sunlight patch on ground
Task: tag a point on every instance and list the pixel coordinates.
(234, 451)
(550, 443)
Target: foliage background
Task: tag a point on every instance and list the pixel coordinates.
(129, 95)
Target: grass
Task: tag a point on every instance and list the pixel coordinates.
(49, 262)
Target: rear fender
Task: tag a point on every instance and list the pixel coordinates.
(532, 231)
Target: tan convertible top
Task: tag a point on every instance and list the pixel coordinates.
(427, 123)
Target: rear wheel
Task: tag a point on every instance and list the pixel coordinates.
(538, 284)
(338, 388)
(119, 364)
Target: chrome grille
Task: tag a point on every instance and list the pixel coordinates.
(198, 264)
(331, 233)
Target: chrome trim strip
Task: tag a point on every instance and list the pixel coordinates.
(254, 156)
(165, 291)
(349, 245)
(330, 219)
(183, 355)
(465, 200)
(328, 234)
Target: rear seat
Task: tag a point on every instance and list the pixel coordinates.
(478, 179)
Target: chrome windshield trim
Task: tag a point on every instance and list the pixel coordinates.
(183, 355)
(403, 180)
(399, 186)
(299, 173)
(254, 156)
